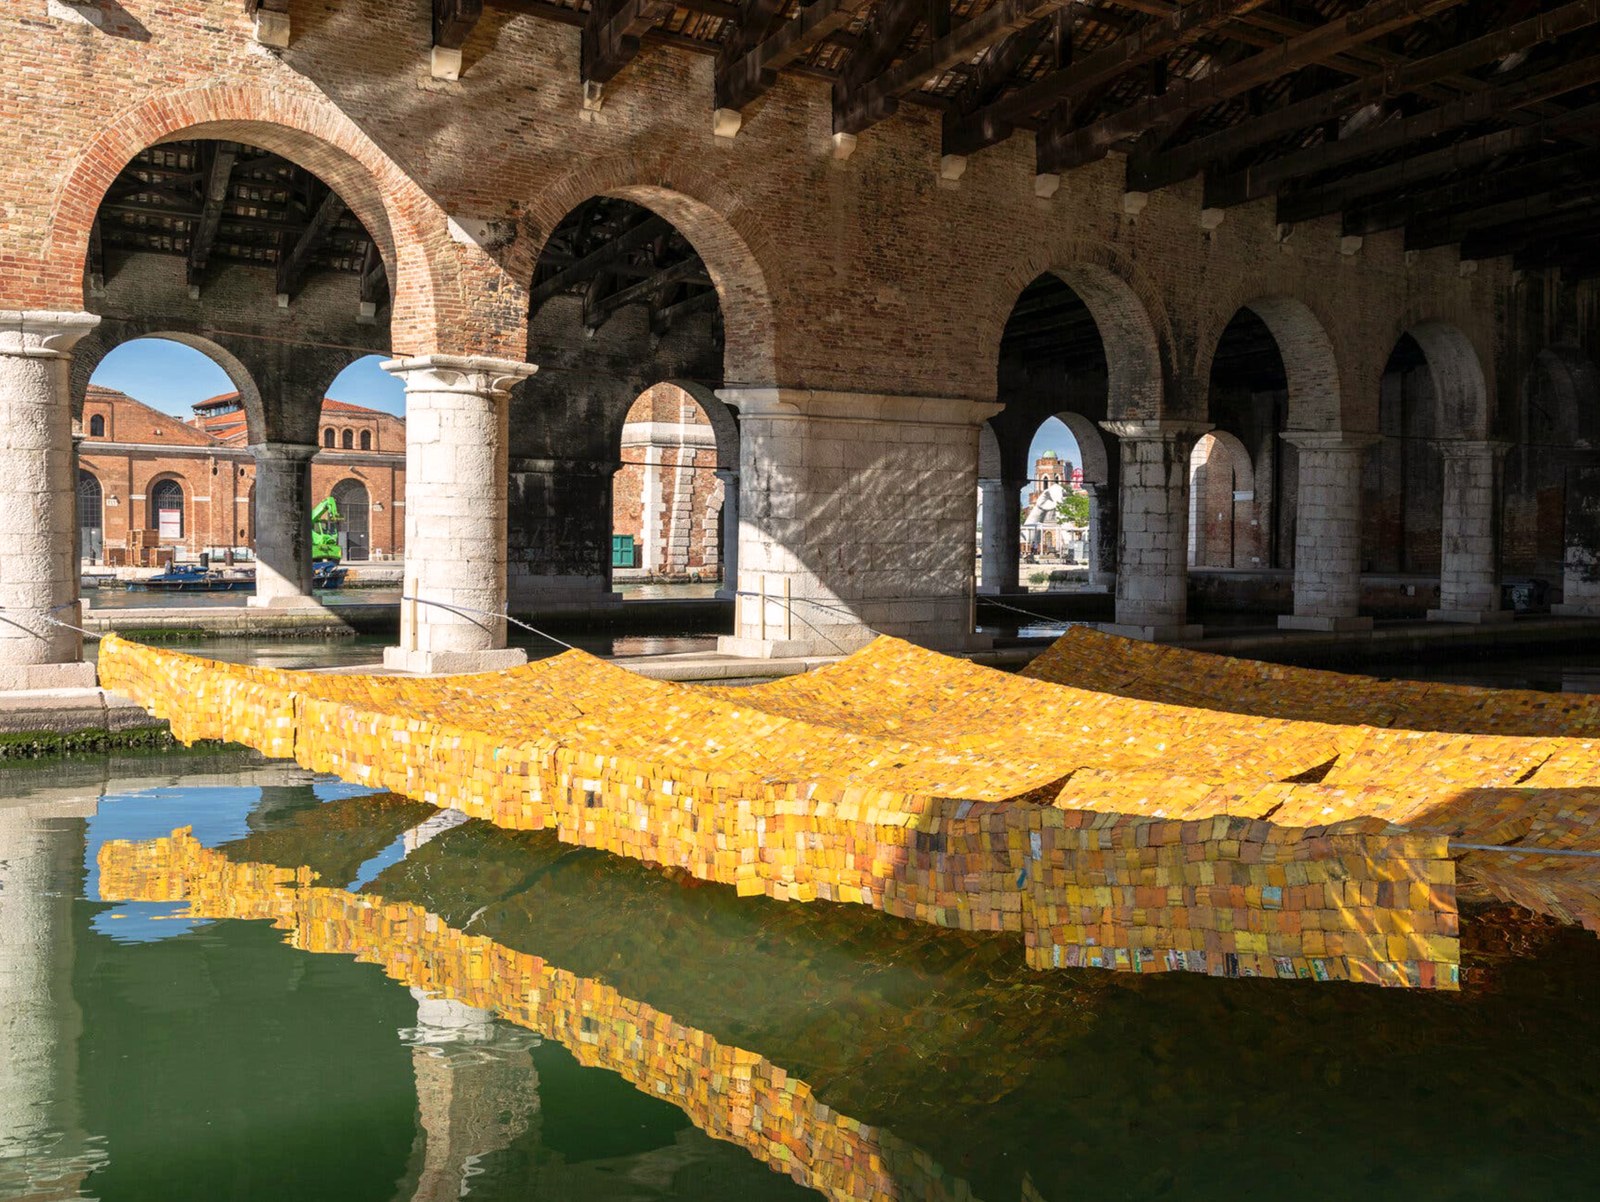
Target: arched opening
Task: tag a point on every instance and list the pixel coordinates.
(347, 439)
(97, 426)
(328, 437)
(623, 461)
(1243, 476)
(363, 391)
(1554, 470)
(91, 518)
(668, 495)
(1402, 498)
(167, 511)
(355, 522)
(1222, 530)
(366, 440)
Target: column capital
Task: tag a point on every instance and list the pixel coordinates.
(1472, 448)
(477, 375)
(857, 406)
(1330, 440)
(1159, 430)
(282, 452)
(43, 333)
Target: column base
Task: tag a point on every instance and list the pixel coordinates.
(446, 663)
(286, 601)
(1155, 634)
(1576, 609)
(1348, 624)
(47, 676)
(1471, 617)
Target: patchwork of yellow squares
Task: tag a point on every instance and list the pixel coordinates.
(1247, 837)
(729, 1093)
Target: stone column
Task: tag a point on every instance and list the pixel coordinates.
(1002, 525)
(1102, 536)
(38, 503)
(1469, 587)
(729, 589)
(1327, 538)
(856, 519)
(559, 532)
(283, 525)
(455, 563)
(1153, 533)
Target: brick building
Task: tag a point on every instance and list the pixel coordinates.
(148, 479)
(666, 496)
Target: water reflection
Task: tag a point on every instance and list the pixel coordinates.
(568, 1024)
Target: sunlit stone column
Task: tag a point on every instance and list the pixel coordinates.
(1469, 588)
(38, 503)
(728, 590)
(856, 518)
(283, 525)
(1153, 529)
(455, 567)
(1002, 525)
(1327, 538)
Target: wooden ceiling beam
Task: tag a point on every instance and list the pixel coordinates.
(612, 34)
(892, 22)
(1154, 39)
(1481, 188)
(1329, 198)
(1186, 96)
(741, 79)
(686, 271)
(1519, 235)
(454, 21)
(1265, 179)
(1151, 170)
(625, 243)
(218, 177)
(876, 98)
(292, 266)
(1427, 232)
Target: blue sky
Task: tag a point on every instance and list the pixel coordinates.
(171, 377)
(1053, 435)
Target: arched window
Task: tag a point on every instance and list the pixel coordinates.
(366, 440)
(166, 510)
(97, 426)
(349, 440)
(91, 516)
(327, 437)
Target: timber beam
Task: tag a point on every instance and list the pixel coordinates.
(218, 175)
(1509, 238)
(1185, 97)
(766, 46)
(892, 22)
(613, 32)
(1428, 232)
(1481, 188)
(1266, 179)
(1150, 170)
(599, 259)
(293, 264)
(874, 99)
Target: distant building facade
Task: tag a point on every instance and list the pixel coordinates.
(150, 484)
(666, 495)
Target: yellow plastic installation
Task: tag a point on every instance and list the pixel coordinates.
(729, 1093)
(1109, 831)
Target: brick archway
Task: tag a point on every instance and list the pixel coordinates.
(107, 337)
(1309, 363)
(409, 229)
(722, 228)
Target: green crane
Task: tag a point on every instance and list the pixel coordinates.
(325, 522)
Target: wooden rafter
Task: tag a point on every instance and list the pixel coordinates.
(218, 175)
(454, 20)
(292, 266)
(767, 46)
(597, 260)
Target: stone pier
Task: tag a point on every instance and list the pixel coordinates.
(1469, 590)
(1152, 551)
(283, 525)
(856, 519)
(452, 619)
(1327, 539)
(38, 498)
(1002, 519)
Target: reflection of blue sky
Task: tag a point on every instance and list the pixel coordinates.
(217, 815)
(171, 377)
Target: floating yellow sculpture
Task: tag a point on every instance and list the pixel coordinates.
(1109, 831)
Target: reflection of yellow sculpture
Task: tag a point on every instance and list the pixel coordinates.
(729, 1093)
(1110, 831)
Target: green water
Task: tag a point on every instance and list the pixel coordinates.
(149, 1054)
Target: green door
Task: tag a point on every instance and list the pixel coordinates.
(622, 550)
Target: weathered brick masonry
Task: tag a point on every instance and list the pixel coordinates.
(863, 302)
